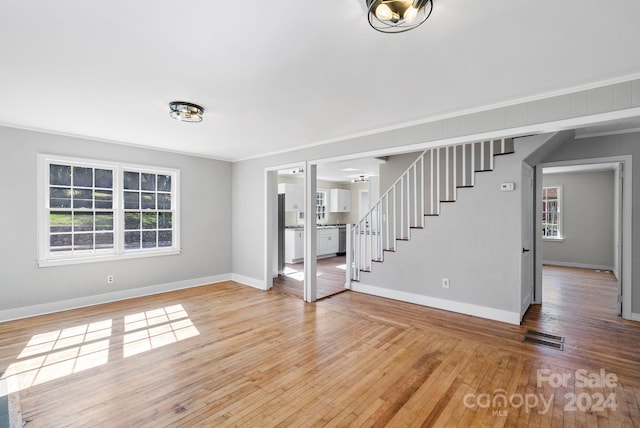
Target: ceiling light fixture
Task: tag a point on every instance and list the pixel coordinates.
(186, 112)
(397, 16)
(361, 179)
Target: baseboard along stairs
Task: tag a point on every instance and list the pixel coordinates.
(433, 178)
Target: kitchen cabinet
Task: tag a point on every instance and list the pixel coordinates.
(293, 196)
(327, 241)
(340, 201)
(293, 245)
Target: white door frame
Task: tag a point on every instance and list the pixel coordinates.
(527, 268)
(271, 221)
(626, 226)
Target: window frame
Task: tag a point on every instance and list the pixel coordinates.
(47, 258)
(560, 236)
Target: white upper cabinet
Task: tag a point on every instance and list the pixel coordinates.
(340, 201)
(293, 196)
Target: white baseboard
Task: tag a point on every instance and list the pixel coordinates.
(247, 280)
(81, 302)
(434, 302)
(577, 265)
(635, 317)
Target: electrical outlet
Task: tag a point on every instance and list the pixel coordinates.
(109, 279)
(445, 282)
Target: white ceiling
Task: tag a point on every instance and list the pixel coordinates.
(341, 171)
(274, 76)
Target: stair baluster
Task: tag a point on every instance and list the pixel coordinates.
(410, 198)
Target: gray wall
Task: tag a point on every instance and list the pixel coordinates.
(475, 242)
(587, 219)
(526, 118)
(205, 203)
(613, 145)
(394, 167)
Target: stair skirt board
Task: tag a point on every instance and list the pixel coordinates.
(437, 303)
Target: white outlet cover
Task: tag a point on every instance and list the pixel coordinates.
(507, 187)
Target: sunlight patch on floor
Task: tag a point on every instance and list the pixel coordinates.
(154, 329)
(59, 353)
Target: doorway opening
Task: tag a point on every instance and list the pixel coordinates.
(580, 224)
(325, 198)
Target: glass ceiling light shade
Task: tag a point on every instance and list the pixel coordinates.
(397, 16)
(186, 112)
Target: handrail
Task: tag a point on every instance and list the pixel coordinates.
(403, 206)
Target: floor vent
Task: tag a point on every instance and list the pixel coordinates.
(545, 339)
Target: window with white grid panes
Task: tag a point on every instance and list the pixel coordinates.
(321, 206)
(80, 209)
(93, 211)
(551, 218)
(148, 210)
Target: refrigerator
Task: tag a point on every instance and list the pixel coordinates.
(280, 233)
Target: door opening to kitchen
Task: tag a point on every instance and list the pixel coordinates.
(333, 201)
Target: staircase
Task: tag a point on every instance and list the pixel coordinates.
(432, 178)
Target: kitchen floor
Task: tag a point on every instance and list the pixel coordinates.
(331, 273)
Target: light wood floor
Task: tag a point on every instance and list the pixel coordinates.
(331, 273)
(230, 355)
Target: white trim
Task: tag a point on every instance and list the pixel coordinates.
(114, 296)
(635, 317)
(577, 265)
(552, 239)
(247, 280)
(109, 141)
(459, 113)
(537, 128)
(434, 302)
(560, 236)
(134, 254)
(605, 133)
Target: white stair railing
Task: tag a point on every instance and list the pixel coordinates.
(432, 178)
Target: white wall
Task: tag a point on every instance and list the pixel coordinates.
(587, 220)
(205, 227)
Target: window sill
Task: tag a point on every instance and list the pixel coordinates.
(105, 258)
(547, 239)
